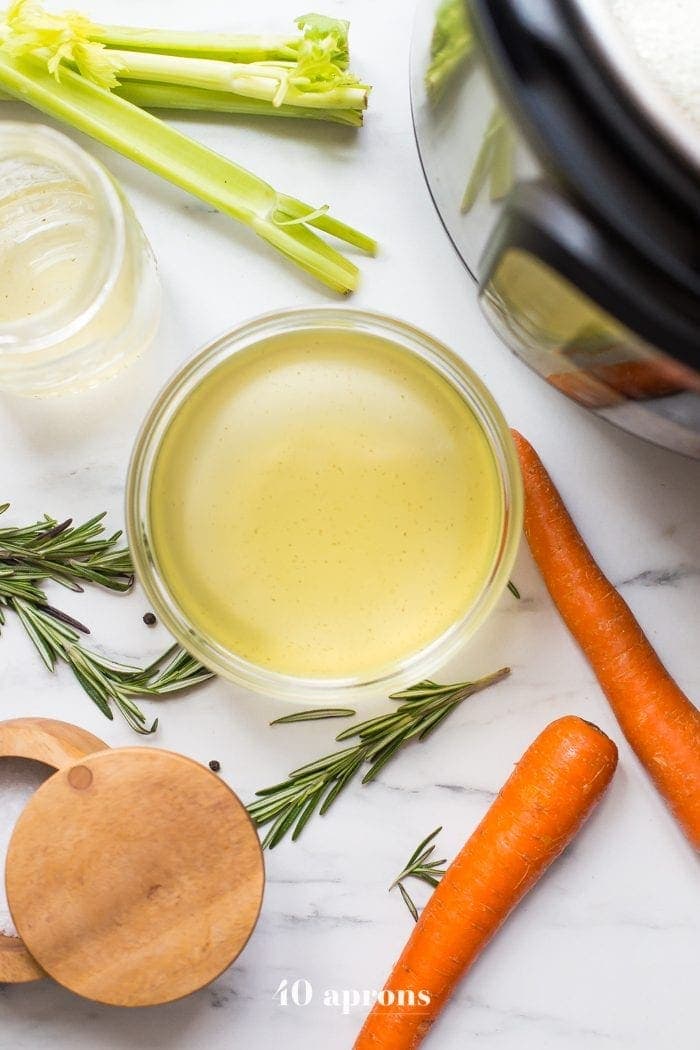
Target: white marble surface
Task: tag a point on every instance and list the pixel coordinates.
(605, 952)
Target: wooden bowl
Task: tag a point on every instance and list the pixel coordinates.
(56, 744)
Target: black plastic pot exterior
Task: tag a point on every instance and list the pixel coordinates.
(575, 213)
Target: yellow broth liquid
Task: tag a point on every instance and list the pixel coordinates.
(324, 504)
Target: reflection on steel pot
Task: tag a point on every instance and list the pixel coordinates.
(569, 183)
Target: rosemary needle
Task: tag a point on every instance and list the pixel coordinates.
(420, 866)
(513, 589)
(70, 555)
(315, 714)
(60, 551)
(289, 805)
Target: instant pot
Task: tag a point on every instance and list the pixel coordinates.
(570, 186)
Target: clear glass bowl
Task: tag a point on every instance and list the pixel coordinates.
(417, 665)
(81, 296)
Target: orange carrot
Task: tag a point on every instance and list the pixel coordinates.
(542, 805)
(658, 719)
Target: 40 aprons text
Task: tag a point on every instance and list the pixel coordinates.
(300, 992)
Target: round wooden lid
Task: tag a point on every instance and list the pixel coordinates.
(56, 744)
(134, 876)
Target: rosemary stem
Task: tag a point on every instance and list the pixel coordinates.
(59, 551)
(290, 804)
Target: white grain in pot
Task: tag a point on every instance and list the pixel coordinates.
(19, 779)
(666, 37)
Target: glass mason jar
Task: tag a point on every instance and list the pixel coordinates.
(267, 331)
(79, 292)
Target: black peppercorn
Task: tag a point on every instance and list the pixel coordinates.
(214, 765)
(149, 619)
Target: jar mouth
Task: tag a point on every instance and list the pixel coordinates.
(212, 654)
(33, 333)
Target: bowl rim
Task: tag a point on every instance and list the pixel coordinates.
(406, 671)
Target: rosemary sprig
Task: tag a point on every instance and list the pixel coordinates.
(60, 551)
(105, 681)
(67, 554)
(420, 866)
(314, 715)
(290, 804)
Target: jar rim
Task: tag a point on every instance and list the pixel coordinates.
(17, 340)
(407, 670)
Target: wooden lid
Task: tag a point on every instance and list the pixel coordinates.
(134, 876)
(47, 740)
(56, 744)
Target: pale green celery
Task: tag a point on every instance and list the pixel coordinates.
(502, 175)
(234, 47)
(494, 161)
(229, 46)
(174, 96)
(316, 77)
(352, 96)
(318, 55)
(289, 208)
(451, 47)
(212, 178)
(268, 81)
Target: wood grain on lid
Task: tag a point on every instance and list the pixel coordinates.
(135, 876)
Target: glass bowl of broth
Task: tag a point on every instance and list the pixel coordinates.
(324, 503)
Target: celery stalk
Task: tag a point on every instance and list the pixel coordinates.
(494, 162)
(315, 75)
(229, 46)
(212, 178)
(289, 208)
(268, 81)
(234, 47)
(175, 96)
(451, 47)
(502, 175)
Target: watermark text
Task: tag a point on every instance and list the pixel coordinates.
(300, 992)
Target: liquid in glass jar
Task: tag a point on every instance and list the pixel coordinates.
(79, 295)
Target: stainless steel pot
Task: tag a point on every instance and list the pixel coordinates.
(570, 187)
